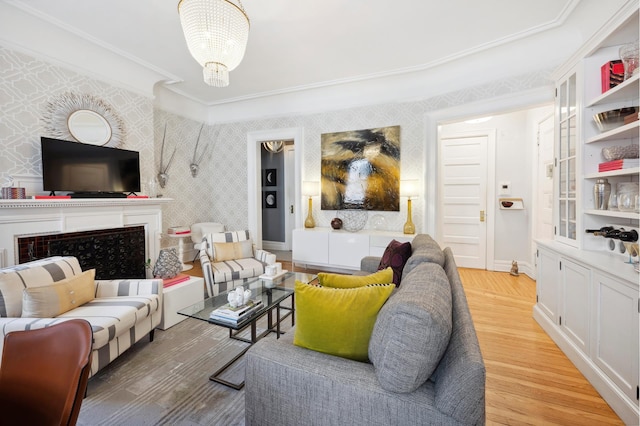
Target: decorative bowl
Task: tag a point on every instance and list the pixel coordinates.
(608, 120)
(619, 152)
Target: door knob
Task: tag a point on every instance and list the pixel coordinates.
(291, 209)
(481, 215)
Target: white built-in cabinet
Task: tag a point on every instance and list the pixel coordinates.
(339, 249)
(591, 310)
(588, 298)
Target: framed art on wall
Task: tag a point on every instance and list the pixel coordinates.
(271, 177)
(270, 199)
(360, 170)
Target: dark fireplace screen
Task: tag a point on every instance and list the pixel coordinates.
(114, 253)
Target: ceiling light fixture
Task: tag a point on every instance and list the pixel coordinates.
(273, 147)
(216, 32)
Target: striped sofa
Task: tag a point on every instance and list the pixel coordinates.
(120, 312)
(224, 271)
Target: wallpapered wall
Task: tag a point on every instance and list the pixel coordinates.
(219, 192)
(28, 84)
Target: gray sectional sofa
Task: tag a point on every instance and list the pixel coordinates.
(426, 366)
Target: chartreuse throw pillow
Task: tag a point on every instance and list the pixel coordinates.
(62, 296)
(338, 321)
(384, 276)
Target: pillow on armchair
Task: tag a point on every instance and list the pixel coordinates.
(395, 256)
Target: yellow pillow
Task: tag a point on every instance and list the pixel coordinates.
(232, 251)
(384, 276)
(52, 300)
(338, 321)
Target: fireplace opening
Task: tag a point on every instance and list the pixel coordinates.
(114, 253)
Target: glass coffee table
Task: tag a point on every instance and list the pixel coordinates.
(272, 293)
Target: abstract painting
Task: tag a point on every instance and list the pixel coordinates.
(360, 170)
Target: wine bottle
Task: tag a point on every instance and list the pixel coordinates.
(604, 229)
(612, 233)
(615, 233)
(629, 236)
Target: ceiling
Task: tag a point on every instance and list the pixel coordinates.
(297, 45)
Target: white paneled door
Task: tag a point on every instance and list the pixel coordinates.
(463, 195)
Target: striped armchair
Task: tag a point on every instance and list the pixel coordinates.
(229, 258)
(49, 291)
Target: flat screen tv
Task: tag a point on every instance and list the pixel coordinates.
(88, 169)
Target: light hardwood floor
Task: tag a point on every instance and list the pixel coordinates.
(529, 380)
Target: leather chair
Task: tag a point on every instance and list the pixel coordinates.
(44, 374)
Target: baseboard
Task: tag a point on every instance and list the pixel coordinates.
(273, 245)
(626, 409)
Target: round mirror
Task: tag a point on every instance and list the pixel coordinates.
(89, 127)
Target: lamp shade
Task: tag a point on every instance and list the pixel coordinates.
(409, 188)
(216, 32)
(310, 188)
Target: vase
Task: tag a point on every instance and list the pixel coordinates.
(601, 193)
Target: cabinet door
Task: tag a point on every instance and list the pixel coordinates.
(576, 302)
(548, 283)
(566, 137)
(347, 249)
(616, 332)
(310, 247)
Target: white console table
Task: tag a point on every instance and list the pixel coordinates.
(339, 249)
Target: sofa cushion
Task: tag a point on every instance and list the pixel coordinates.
(395, 256)
(412, 330)
(55, 299)
(236, 269)
(224, 237)
(15, 279)
(231, 251)
(111, 316)
(423, 249)
(384, 276)
(338, 321)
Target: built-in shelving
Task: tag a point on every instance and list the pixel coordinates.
(625, 91)
(623, 172)
(613, 213)
(627, 131)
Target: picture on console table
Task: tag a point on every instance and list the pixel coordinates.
(360, 170)
(271, 199)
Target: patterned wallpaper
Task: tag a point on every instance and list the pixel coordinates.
(27, 85)
(219, 192)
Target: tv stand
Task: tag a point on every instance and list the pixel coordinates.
(98, 195)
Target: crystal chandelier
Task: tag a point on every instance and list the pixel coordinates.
(216, 32)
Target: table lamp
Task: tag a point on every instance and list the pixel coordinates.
(310, 189)
(409, 188)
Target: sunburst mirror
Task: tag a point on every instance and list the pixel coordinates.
(84, 118)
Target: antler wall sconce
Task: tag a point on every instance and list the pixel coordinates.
(163, 175)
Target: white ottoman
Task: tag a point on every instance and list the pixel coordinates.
(180, 296)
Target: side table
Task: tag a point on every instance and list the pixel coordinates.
(181, 238)
(177, 297)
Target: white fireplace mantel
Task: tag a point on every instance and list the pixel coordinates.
(35, 217)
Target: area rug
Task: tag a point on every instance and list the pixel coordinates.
(166, 382)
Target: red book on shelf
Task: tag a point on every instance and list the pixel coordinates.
(137, 196)
(624, 163)
(51, 197)
(168, 282)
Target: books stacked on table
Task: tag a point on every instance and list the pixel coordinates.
(232, 315)
(180, 278)
(179, 230)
